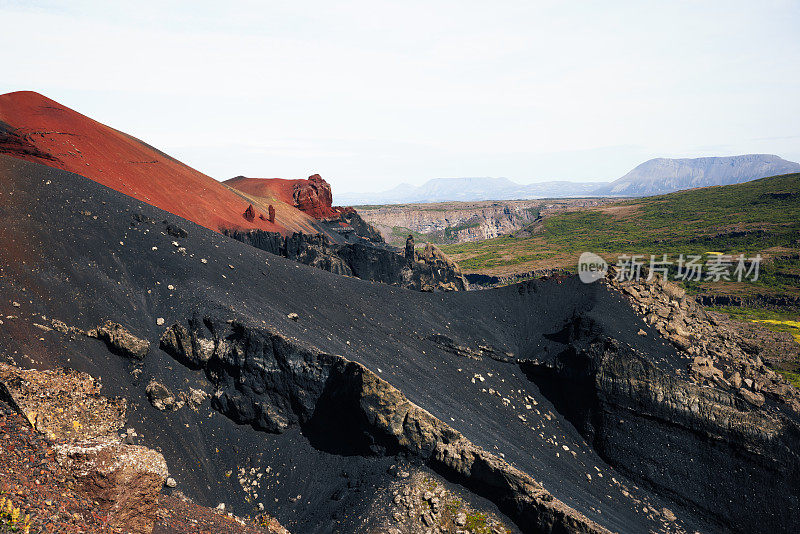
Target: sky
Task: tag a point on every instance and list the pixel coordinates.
(370, 94)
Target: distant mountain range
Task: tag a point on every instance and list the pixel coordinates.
(653, 177)
(468, 189)
(663, 175)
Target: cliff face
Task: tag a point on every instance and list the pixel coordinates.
(667, 425)
(453, 221)
(430, 270)
(459, 222)
(268, 381)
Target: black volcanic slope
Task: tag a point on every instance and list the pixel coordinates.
(73, 250)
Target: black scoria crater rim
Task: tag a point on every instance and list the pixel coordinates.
(76, 251)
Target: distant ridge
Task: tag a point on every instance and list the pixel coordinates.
(663, 175)
(469, 189)
(653, 177)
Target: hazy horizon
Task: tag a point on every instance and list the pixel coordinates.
(371, 95)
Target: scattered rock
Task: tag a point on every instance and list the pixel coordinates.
(668, 515)
(752, 397)
(121, 341)
(162, 398)
(176, 231)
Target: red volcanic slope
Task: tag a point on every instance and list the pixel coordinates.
(46, 132)
(312, 196)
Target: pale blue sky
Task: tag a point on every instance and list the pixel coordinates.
(370, 94)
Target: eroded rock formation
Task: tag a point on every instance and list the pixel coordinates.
(249, 213)
(429, 270)
(314, 197)
(677, 427)
(120, 340)
(272, 383)
(720, 355)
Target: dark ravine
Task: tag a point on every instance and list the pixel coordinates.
(267, 381)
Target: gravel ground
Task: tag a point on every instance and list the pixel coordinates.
(36, 484)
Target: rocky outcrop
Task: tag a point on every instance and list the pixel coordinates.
(62, 404)
(418, 501)
(317, 251)
(123, 480)
(409, 251)
(314, 197)
(249, 213)
(361, 227)
(120, 340)
(272, 383)
(720, 355)
(675, 425)
(162, 398)
(430, 270)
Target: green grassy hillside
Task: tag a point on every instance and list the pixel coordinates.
(762, 216)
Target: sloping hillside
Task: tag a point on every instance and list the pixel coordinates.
(368, 386)
(761, 216)
(312, 196)
(36, 128)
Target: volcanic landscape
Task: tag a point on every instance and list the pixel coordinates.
(309, 371)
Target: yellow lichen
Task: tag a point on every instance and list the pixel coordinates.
(31, 416)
